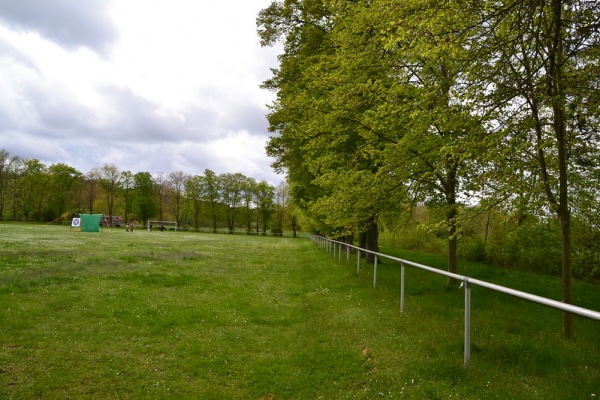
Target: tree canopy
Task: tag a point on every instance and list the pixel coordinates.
(385, 105)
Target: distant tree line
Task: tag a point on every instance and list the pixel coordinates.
(388, 106)
(33, 191)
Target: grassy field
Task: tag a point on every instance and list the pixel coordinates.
(203, 316)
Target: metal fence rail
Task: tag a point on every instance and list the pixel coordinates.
(335, 247)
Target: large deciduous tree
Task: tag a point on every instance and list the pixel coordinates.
(194, 193)
(541, 69)
(144, 196)
(33, 188)
(210, 194)
(63, 180)
(110, 183)
(177, 182)
(367, 109)
(249, 187)
(436, 148)
(317, 137)
(231, 195)
(282, 199)
(265, 194)
(163, 190)
(127, 193)
(7, 168)
(90, 189)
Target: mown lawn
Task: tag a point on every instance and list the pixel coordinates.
(188, 315)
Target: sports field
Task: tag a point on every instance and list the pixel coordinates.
(152, 315)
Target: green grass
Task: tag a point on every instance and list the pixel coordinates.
(188, 315)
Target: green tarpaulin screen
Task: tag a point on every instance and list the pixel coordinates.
(90, 222)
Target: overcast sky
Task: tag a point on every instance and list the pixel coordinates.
(147, 85)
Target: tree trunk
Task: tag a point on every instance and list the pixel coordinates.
(557, 94)
(452, 243)
(567, 295)
(451, 215)
(257, 222)
(369, 240)
(294, 222)
(230, 221)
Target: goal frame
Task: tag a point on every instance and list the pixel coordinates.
(154, 224)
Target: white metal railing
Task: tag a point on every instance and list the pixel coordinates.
(336, 247)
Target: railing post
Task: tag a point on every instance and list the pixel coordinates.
(467, 322)
(340, 253)
(348, 253)
(358, 261)
(402, 268)
(375, 271)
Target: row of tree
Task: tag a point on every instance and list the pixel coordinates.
(32, 191)
(384, 105)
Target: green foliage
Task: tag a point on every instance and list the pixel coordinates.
(8, 166)
(210, 193)
(533, 244)
(409, 230)
(495, 100)
(143, 197)
(63, 181)
(264, 202)
(231, 188)
(520, 242)
(586, 249)
(36, 192)
(110, 182)
(31, 188)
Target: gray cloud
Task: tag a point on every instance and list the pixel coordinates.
(24, 145)
(242, 112)
(58, 117)
(248, 116)
(135, 119)
(70, 23)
